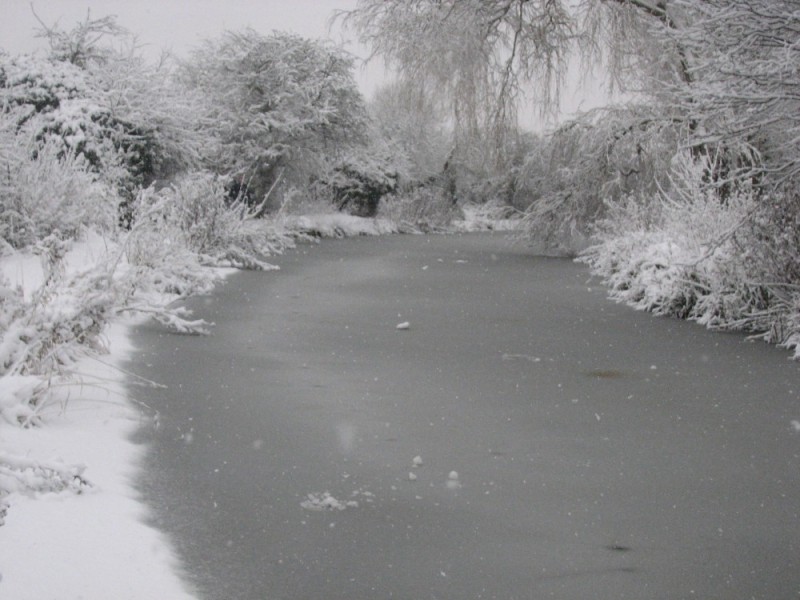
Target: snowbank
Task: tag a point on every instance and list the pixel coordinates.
(336, 225)
(72, 523)
(91, 542)
(474, 218)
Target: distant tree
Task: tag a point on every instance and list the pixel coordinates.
(480, 57)
(412, 123)
(476, 55)
(81, 45)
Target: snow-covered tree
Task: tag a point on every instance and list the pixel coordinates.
(88, 42)
(477, 55)
(745, 76)
(481, 57)
(127, 119)
(279, 106)
(603, 155)
(413, 125)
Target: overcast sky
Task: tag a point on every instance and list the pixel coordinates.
(176, 24)
(179, 25)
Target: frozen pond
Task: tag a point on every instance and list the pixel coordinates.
(570, 448)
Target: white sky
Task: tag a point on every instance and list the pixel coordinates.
(176, 24)
(179, 25)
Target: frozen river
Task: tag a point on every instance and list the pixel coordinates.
(570, 448)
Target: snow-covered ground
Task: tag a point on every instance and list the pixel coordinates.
(74, 526)
(90, 542)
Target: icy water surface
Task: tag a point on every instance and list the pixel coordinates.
(523, 438)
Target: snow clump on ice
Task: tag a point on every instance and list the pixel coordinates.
(325, 501)
(453, 482)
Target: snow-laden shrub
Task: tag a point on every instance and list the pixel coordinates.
(494, 215)
(39, 85)
(44, 191)
(132, 123)
(177, 232)
(693, 254)
(64, 319)
(278, 106)
(196, 214)
(419, 209)
(358, 183)
(46, 333)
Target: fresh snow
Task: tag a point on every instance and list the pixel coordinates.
(95, 544)
(325, 501)
(74, 525)
(453, 481)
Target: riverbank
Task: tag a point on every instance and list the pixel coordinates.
(92, 542)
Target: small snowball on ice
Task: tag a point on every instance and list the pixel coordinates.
(403, 325)
(412, 476)
(325, 501)
(452, 481)
(796, 425)
(417, 461)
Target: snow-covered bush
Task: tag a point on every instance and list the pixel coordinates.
(602, 156)
(357, 183)
(692, 253)
(130, 122)
(419, 209)
(493, 215)
(196, 214)
(279, 107)
(45, 334)
(50, 192)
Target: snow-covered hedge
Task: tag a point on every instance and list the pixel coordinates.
(692, 253)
